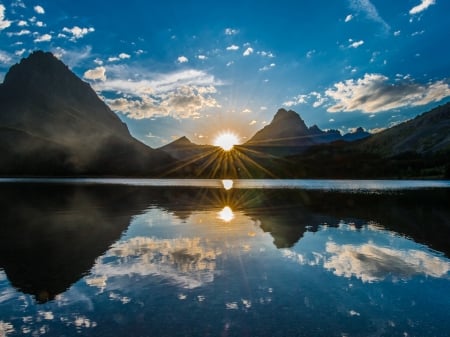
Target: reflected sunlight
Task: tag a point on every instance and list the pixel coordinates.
(226, 140)
(227, 184)
(226, 214)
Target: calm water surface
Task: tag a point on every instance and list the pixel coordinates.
(219, 258)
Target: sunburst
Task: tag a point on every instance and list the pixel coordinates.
(226, 140)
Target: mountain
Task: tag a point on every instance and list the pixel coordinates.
(418, 148)
(184, 149)
(53, 123)
(288, 134)
(428, 133)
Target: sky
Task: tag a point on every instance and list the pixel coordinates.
(200, 68)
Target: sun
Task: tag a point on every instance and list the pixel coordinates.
(226, 140)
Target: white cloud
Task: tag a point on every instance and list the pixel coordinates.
(372, 263)
(253, 122)
(231, 31)
(3, 22)
(246, 111)
(98, 73)
(348, 18)
(19, 52)
(266, 54)
(77, 32)
(73, 57)
(318, 98)
(233, 47)
(40, 24)
(422, 6)
(124, 56)
(248, 51)
(5, 57)
(39, 9)
(397, 33)
(356, 44)
(202, 57)
(310, 53)
(43, 38)
(20, 33)
(373, 93)
(22, 23)
(18, 3)
(182, 94)
(113, 59)
(371, 12)
(268, 67)
(182, 59)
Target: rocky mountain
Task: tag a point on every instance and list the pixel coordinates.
(53, 123)
(288, 134)
(428, 133)
(184, 149)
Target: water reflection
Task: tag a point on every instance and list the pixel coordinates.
(227, 184)
(108, 259)
(226, 214)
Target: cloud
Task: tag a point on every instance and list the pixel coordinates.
(73, 57)
(5, 57)
(370, 11)
(233, 47)
(3, 22)
(319, 99)
(268, 67)
(248, 51)
(371, 263)
(202, 57)
(22, 23)
(310, 53)
(246, 111)
(266, 54)
(98, 73)
(253, 122)
(182, 94)
(43, 38)
(20, 52)
(348, 18)
(422, 6)
(20, 33)
(356, 44)
(39, 9)
(182, 59)
(397, 33)
(77, 32)
(124, 56)
(231, 31)
(373, 93)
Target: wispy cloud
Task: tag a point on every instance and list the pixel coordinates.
(77, 32)
(19, 33)
(39, 9)
(233, 47)
(268, 67)
(370, 11)
(374, 93)
(3, 22)
(231, 31)
(182, 94)
(317, 99)
(98, 73)
(348, 18)
(5, 57)
(43, 38)
(422, 6)
(356, 44)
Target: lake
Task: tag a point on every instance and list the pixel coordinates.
(131, 257)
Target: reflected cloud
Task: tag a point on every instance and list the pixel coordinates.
(185, 262)
(226, 214)
(372, 263)
(374, 259)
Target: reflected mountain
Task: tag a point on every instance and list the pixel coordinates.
(52, 235)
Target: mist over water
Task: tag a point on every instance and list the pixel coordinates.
(234, 258)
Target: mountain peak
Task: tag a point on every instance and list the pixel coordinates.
(283, 115)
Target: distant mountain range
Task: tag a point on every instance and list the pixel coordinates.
(53, 124)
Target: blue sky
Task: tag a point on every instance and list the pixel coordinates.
(198, 68)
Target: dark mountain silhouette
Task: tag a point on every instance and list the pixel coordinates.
(428, 133)
(418, 148)
(288, 134)
(53, 123)
(183, 149)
